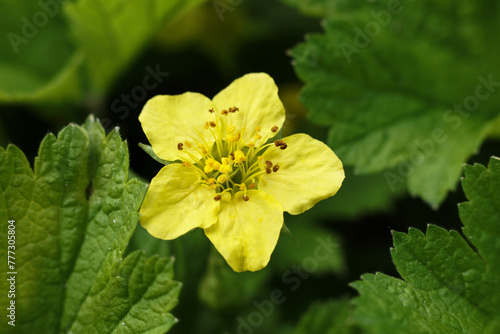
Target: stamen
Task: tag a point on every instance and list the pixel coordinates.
(188, 144)
(217, 198)
(269, 164)
(233, 109)
(187, 164)
(211, 110)
(252, 185)
(224, 112)
(180, 146)
(243, 187)
(246, 198)
(212, 124)
(274, 129)
(222, 178)
(239, 156)
(275, 168)
(281, 144)
(211, 183)
(268, 170)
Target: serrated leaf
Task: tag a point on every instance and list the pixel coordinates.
(447, 286)
(390, 94)
(139, 291)
(332, 317)
(74, 215)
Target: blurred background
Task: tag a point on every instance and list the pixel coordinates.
(61, 66)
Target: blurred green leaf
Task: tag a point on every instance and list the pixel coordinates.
(404, 87)
(111, 33)
(221, 288)
(41, 63)
(359, 195)
(333, 317)
(448, 287)
(311, 246)
(74, 216)
(38, 63)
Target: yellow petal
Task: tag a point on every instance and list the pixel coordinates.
(308, 172)
(174, 204)
(256, 96)
(169, 120)
(247, 231)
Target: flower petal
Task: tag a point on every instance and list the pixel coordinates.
(308, 172)
(175, 204)
(256, 96)
(170, 119)
(247, 231)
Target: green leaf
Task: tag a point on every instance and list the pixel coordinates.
(111, 33)
(333, 317)
(311, 247)
(38, 63)
(359, 195)
(447, 286)
(48, 43)
(404, 88)
(74, 215)
(223, 289)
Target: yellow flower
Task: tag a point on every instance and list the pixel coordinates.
(230, 175)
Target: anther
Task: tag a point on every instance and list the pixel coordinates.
(188, 144)
(252, 185)
(246, 198)
(281, 144)
(187, 164)
(180, 146)
(274, 129)
(217, 198)
(222, 178)
(275, 168)
(269, 164)
(224, 112)
(233, 109)
(268, 170)
(211, 110)
(212, 124)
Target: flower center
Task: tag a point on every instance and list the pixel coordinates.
(228, 164)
